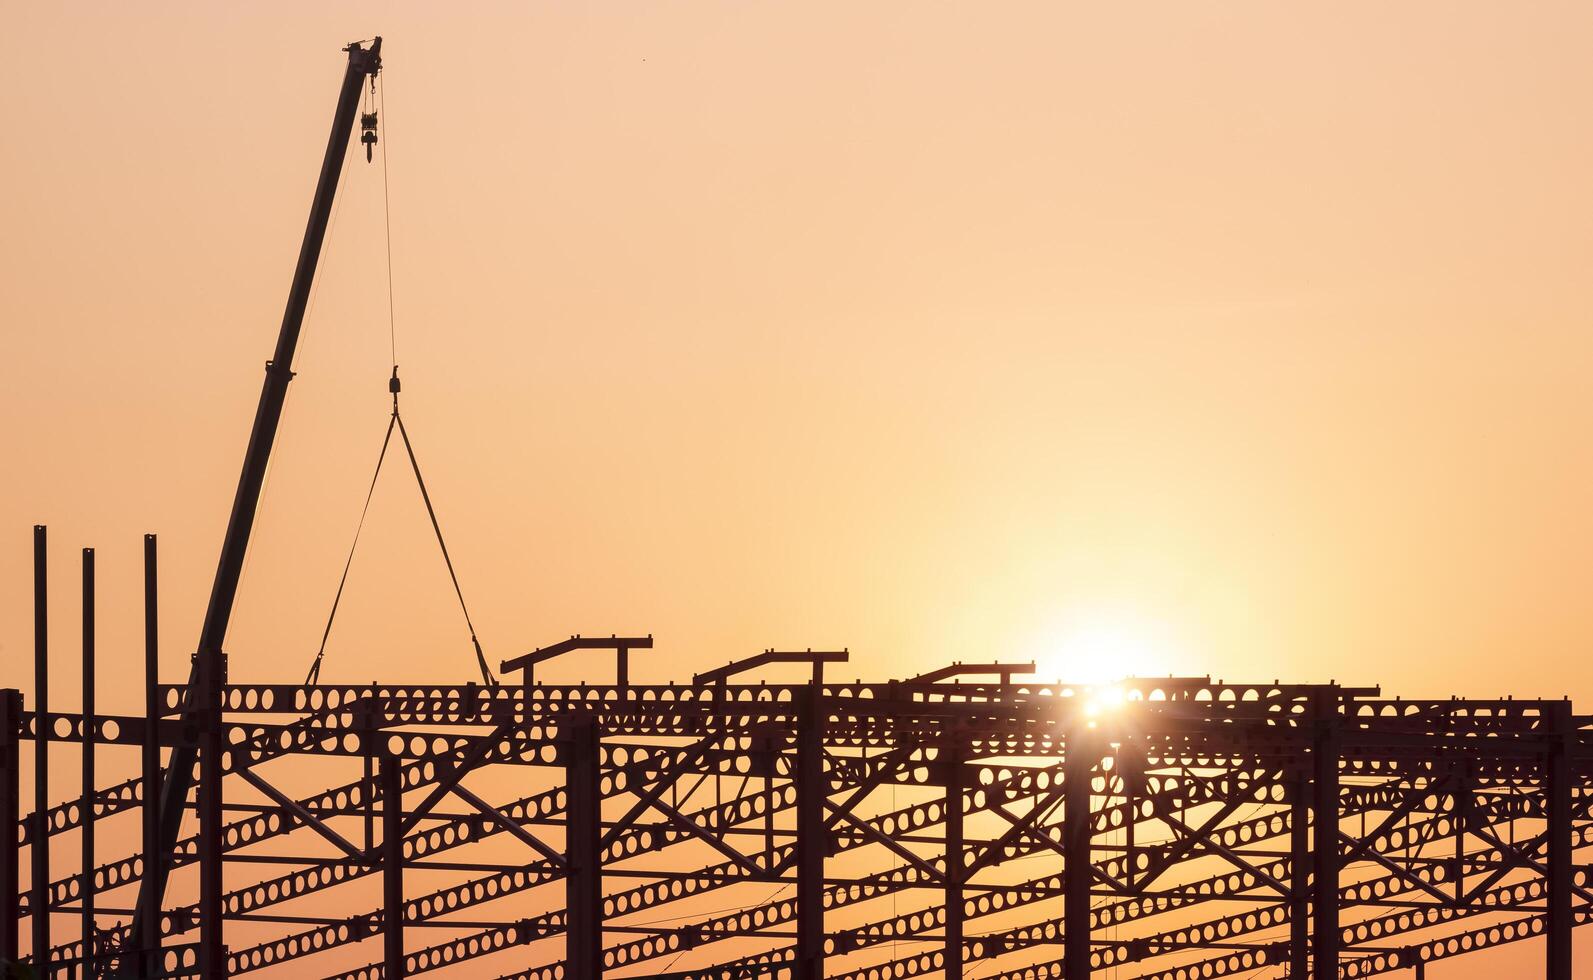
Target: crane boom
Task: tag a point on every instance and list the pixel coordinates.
(202, 709)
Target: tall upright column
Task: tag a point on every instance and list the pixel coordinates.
(811, 840)
(1462, 819)
(391, 775)
(41, 755)
(1557, 787)
(212, 937)
(1300, 876)
(584, 835)
(955, 779)
(1325, 838)
(10, 804)
(86, 902)
(1077, 873)
(371, 782)
(149, 921)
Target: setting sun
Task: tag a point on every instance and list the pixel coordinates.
(946, 491)
(1102, 645)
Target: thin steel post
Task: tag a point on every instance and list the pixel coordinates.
(811, 840)
(10, 804)
(41, 755)
(1462, 815)
(391, 775)
(1325, 840)
(1300, 877)
(149, 938)
(956, 776)
(1557, 786)
(1077, 870)
(369, 784)
(583, 836)
(86, 870)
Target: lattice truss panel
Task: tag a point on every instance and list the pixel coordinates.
(1167, 829)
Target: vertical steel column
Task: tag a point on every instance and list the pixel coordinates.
(87, 799)
(1557, 787)
(1462, 817)
(1300, 877)
(369, 785)
(212, 937)
(148, 938)
(956, 776)
(583, 851)
(812, 839)
(1076, 862)
(41, 755)
(1325, 838)
(391, 775)
(10, 804)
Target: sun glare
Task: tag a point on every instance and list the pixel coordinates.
(1100, 647)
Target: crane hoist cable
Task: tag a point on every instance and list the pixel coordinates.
(375, 103)
(397, 421)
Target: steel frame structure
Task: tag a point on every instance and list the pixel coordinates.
(958, 823)
(962, 822)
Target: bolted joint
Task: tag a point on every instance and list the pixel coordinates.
(359, 926)
(530, 930)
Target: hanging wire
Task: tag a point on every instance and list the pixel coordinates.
(397, 421)
(481, 658)
(314, 675)
(378, 92)
(387, 216)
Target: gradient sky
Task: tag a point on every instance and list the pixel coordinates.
(1247, 339)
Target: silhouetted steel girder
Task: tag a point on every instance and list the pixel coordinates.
(702, 791)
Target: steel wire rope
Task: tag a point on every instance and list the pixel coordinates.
(392, 328)
(387, 219)
(395, 419)
(314, 674)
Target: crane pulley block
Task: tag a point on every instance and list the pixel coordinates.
(368, 133)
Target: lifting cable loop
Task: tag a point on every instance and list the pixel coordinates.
(398, 420)
(314, 677)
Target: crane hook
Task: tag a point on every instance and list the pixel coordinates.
(368, 133)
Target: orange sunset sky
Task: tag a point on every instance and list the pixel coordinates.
(1249, 339)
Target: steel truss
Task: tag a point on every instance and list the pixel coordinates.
(959, 823)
